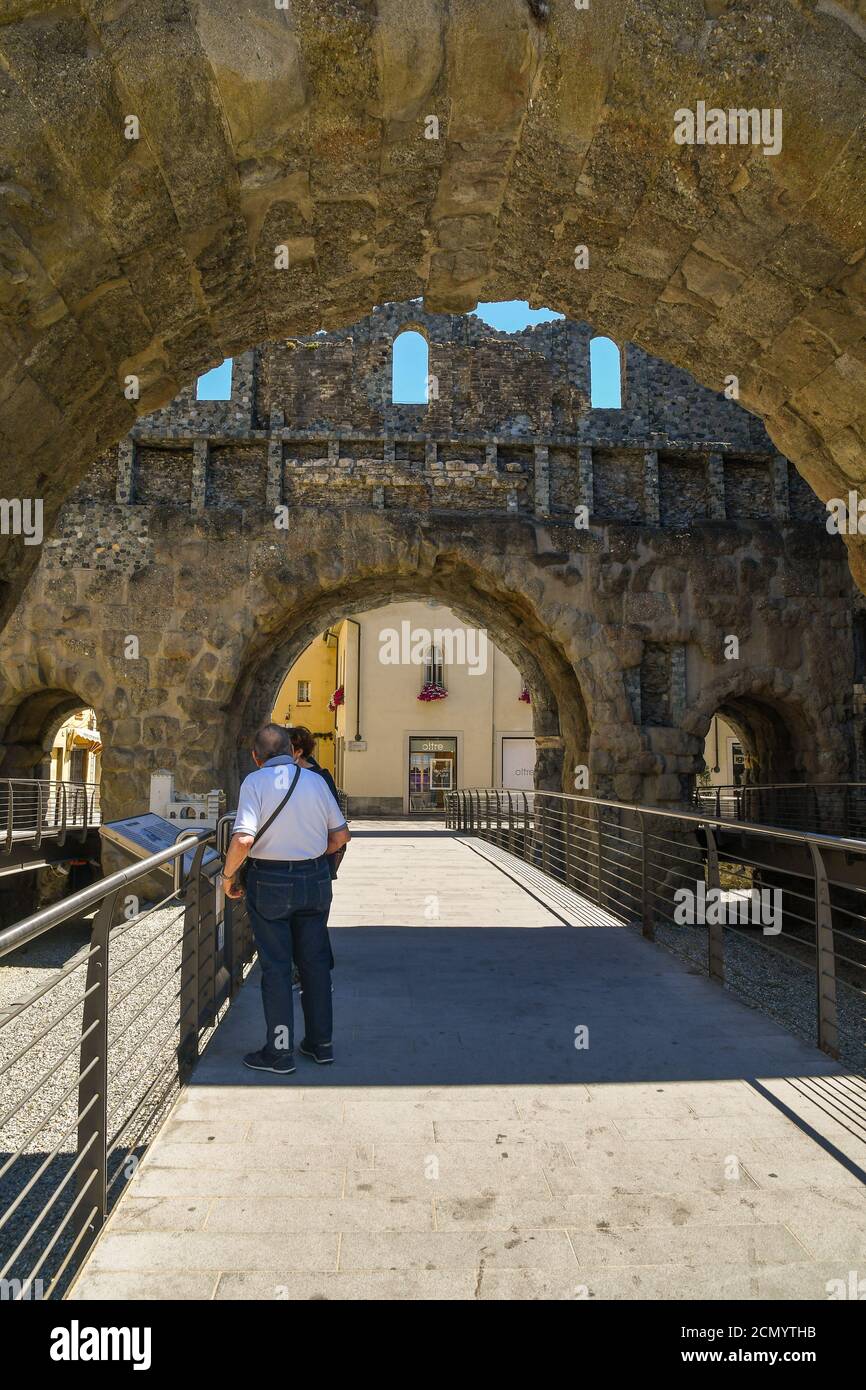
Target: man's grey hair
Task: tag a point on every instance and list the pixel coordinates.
(272, 741)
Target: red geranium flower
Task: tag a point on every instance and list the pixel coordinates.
(431, 691)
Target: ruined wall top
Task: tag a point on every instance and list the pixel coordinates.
(489, 384)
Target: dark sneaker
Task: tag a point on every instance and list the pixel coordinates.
(283, 1063)
(323, 1053)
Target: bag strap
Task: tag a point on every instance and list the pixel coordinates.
(272, 817)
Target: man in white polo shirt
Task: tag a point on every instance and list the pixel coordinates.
(288, 894)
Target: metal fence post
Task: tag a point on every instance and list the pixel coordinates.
(209, 963)
(10, 818)
(190, 1002)
(825, 958)
(61, 837)
(598, 863)
(647, 921)
(715, 929)
(92, 1173)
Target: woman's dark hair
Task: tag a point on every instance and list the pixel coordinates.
(302, 740)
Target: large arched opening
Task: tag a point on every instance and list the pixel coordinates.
(405, 703)
(560, 718)
(50, 780)
(30, 731)
(765, 757)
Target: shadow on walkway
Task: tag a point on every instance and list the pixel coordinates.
(485, 1006)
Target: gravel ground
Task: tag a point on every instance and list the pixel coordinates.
(779, 985)
(143, 1036)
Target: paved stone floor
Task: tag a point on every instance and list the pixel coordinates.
(462, 1146)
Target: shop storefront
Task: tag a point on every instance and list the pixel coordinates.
(432, 772)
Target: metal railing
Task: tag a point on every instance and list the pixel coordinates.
(654, 866)
(90, 1060)
(829, 808)
(31, 810)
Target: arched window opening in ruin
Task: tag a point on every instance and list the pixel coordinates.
(216, 385)
(410, 362)
(605, 375)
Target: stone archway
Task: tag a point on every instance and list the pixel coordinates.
(783, 740)
(28, 726)
(155, 157)
(767, 739)
(561, 720)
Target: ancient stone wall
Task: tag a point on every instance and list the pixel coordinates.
(509, 429)
(619, 631)
(199, 556)
(488, 383)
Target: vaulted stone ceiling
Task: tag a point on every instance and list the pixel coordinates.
(307, 127)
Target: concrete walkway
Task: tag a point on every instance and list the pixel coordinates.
(463, 1147)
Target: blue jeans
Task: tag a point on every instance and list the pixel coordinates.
(288, 906)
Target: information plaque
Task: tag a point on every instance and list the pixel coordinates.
(142, 836)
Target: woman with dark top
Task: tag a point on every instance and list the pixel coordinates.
(303, 744)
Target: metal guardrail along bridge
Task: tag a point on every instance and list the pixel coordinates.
(830, 808)
(640, 863)
(90, 1060)
(41, 820)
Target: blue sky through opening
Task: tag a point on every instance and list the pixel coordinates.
(410, 365)
(411, 359)
(216, 385)
(604, 375)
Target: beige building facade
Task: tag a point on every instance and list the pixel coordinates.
(727, 762)
(408, 702)
(308, 688)
(75, 751)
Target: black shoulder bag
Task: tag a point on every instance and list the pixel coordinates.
(241, 875)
